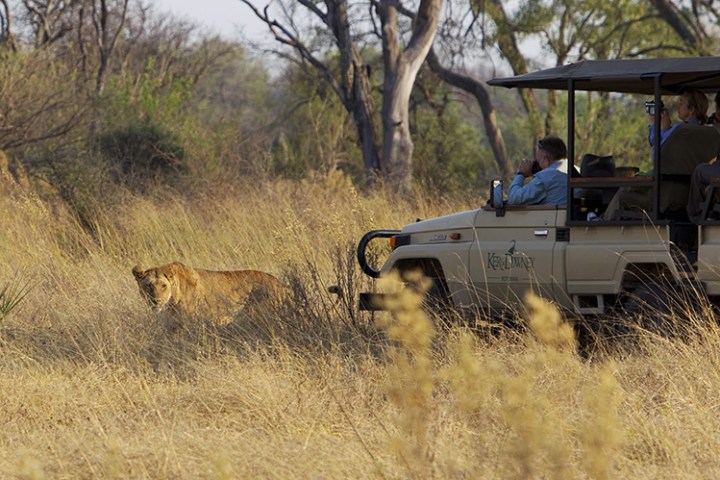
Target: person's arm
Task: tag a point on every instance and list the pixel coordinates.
(531, 193)
(651, 135)
(665, 128)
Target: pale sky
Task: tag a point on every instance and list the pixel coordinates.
(227, 17)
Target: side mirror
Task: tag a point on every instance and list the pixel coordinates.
(496, 198)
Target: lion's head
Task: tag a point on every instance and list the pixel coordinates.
(156, 286)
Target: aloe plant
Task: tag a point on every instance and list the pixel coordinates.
(11, 294)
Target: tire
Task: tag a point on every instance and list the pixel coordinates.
(436, 299)
(657, 308)
(437, 295)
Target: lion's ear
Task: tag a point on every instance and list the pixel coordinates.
(138, 272)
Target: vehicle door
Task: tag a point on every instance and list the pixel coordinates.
(513, 254)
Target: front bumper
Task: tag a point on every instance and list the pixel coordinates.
(372, 302)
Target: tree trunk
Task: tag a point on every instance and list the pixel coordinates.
(363, 113)
(397, 143)
(355, 90)
(507, 43)
(476, 89)
(106, 35)
(400, 72)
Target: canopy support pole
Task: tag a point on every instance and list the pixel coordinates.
(570, 144)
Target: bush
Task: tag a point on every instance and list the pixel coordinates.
(143, 155)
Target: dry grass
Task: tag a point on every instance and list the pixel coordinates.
(95, 388)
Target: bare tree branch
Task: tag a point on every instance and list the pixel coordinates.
(49, 19)
(6, 34)
(353, 85)
(478, 90)
(680, 23)
(283, 35)
(106, 34)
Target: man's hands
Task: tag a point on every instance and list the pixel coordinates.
(525, 167)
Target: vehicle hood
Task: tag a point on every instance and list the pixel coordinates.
(454, 221)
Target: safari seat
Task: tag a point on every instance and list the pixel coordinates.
(686, 148)
(710, 208)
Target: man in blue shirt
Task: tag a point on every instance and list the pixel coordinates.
(549, 185)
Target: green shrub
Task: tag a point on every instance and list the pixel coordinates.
(142, 155)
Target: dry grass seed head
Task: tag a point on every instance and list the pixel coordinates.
(548, 326)
(601, 431)
(472, 378)
(412, 377)
(536, 400)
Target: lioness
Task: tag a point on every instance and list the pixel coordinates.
(185, 291)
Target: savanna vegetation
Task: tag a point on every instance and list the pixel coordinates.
(96, 388)
(129, 137)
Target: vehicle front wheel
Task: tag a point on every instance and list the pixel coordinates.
(436, 296)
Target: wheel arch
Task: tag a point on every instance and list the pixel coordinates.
(431, 268)
(635, 274)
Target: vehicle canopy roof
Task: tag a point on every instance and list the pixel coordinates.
(650, 76)
(625, 76)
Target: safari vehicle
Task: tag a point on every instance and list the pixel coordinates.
(489, 257)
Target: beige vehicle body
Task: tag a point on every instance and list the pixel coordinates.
(488, 258)
(482, 260)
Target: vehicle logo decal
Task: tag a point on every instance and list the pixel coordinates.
(511, 259)
(438, 237)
